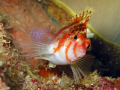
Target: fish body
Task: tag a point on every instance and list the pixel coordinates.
(33, 37)
(70, 45)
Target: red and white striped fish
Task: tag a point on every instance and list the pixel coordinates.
(66, 47)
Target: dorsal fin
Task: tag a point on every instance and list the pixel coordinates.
(82, 17)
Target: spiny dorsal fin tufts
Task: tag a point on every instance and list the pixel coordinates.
(82, 17)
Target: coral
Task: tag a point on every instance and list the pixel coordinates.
(97, 82)
(3, 85)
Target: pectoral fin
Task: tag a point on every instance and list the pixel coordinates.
(82, 68)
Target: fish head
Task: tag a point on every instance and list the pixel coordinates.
(78, 31)
(71, 41)
(80, 45)
(79, 42)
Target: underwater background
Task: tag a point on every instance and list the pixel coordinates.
(106, 16)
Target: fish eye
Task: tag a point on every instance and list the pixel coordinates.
(75, 37)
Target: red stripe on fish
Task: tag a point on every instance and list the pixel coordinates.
(66, 52)
(74, 48)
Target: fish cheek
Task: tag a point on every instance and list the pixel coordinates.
(79, 50)
(75, 48)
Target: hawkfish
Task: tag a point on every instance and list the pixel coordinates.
(33, 37)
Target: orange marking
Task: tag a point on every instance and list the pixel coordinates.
(47, 73)
(87, 42)
(61, 41)
(60, 44)
(74, 48)
(66, 52)
(54, 80)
